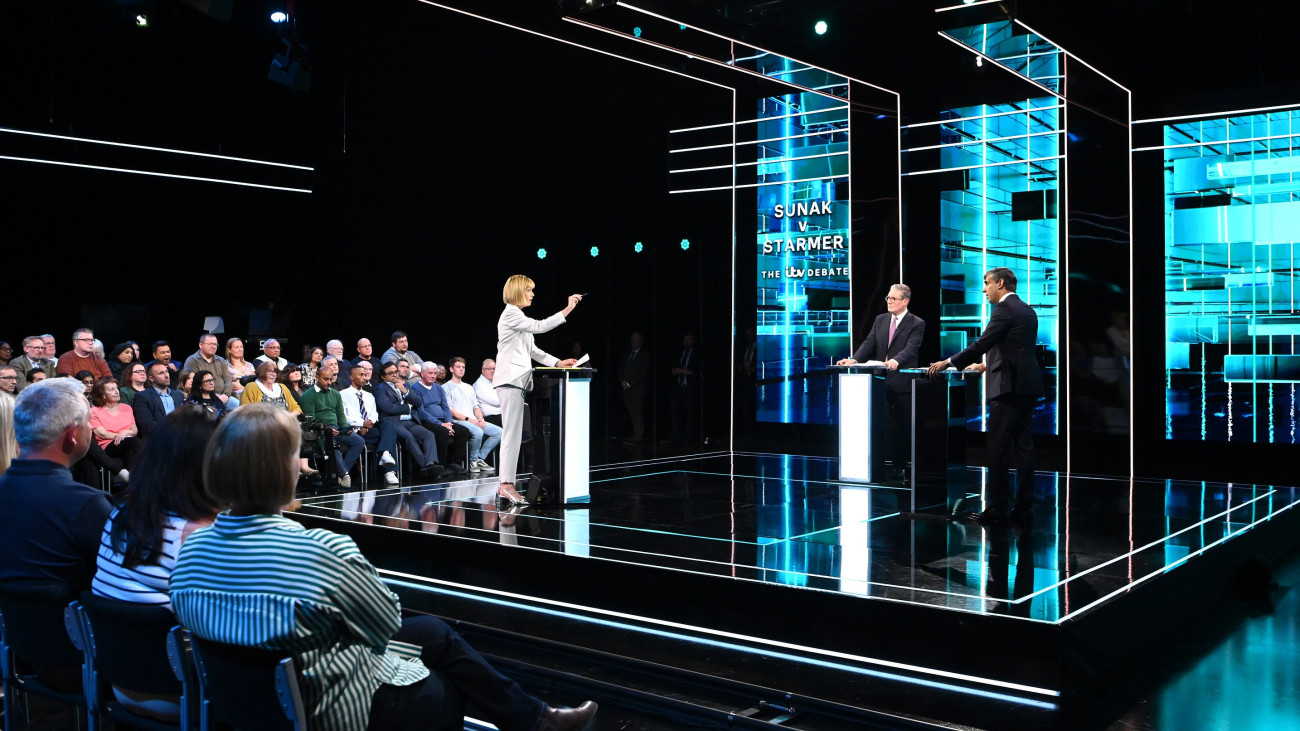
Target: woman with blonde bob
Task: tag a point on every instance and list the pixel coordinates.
(514, 377)
(255, 578)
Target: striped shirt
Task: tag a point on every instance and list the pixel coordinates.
(142, 583)
(266, 581)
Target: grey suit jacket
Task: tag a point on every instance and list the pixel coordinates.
(23, 366)
(515, 349)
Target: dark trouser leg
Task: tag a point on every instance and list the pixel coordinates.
(348, 450)
(1010, 441)
(498, 698)
(1022, 452)
(428, 444)
(128, 451)
(383, 441)
(458, 443)
(634, 400)
(493, 419)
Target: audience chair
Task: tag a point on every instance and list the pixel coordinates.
(247, 687)
(125, 645)
(36, 656)
(370, 464)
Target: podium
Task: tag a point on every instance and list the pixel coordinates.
(940, 409)
(562, 399)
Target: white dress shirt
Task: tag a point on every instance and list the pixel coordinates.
(352, 408)
(487, 396)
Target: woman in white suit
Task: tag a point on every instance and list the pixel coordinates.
(514, 377)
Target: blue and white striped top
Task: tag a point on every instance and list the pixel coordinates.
(266, 581)
(143, 583)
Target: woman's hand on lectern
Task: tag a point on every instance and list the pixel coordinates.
(845, 361)
(568, 363)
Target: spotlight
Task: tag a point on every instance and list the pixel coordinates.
(541, 253)
(142, 21)
(595, 251)
(686, 244)
(279, 17)
(820, 28)
(638, 248)
(637, 31)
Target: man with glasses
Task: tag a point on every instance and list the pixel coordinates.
(271, 352)
(487, 393)
(895, 340)
(206, 360)
(83, 357)
(9, 380)
(32, 359)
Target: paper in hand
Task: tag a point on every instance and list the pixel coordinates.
(585, 357)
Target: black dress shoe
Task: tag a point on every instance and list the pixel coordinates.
(991, 516)
(567, 719)
(431, 471)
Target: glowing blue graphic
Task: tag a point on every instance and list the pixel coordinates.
(686, 244)
(638, 248)
(541, 253)
(1232, 221)
(820, 28)
(637, 31)
(595, 251)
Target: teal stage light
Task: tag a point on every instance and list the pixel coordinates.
(686, 244)
(595, 251)
(638, 248)
(821, 27)
(637, 31)
(541, 253)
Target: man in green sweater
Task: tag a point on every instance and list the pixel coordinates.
(322, 402)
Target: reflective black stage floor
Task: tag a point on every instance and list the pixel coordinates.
(774, 552)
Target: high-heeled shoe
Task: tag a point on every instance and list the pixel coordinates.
(515, 499)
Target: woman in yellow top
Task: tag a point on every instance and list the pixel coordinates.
(266, 390)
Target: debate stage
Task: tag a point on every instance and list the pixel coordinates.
(770, 556)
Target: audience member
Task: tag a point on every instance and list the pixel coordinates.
(365, 354)
(334, 364)
(311, 359)
(34, 376)
(134, 380)
(370, 375)
(239, 368)
(322, 402)
(6, 352)
(32, 359)
(684, 398)
(49, 523)
(205, 394)
(266, 389)
(206, 360)
(8, 380)
(8, 445)
(434, 414)
(153, 404)
(291, 377)
(97, 346)
(82, 357)
(487, 395)
(51, 353)
(335, 348)
(442, 374)
(392, 399)
(114, 426)
(401, 351)
(185, 381)
(162, 353)
(368, 668)
(465, 411)
(87, 381)
(359, 406)
(634, 377)
(121, 356)
(271, 353)
(135, 347)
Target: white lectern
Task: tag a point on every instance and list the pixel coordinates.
(565, 430)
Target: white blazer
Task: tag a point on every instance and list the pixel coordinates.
(515, 349)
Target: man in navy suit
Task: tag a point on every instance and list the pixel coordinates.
(391, 400)
(895, 340)
(153, 404)
(1013, 384)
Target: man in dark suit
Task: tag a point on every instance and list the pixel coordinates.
(1013, 383)
(32, 359)
(895, 340)
(391, 400)
(633, 376)
(153, 404)
(684, 402)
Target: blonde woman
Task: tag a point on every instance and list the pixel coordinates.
(514, 377)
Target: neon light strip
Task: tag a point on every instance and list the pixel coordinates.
(764, 119)
(766, 161)
(470, 589)
(1234, 113)
(983, 116)
(989, 165)
(756, 48)
(999, 64)
(150, 172)
(966, 5)
(1219, 142)
(11, 130)
(759, 142)
(1094, 69)
(694, 57)
(980, 142)
(760, 185)
(539, 34)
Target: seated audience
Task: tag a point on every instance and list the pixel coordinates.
(134, 380)
(365, 354)
(291, 377)
(51, 352)
(487, 395)
(312, 355)
(82, 357)
(239, 369)
(335, 348)
(465, 411)
(401, 351)
(34, 376)
(185, 381)
(359, 406)
(266, 390)
(442, 374)
(8, 380)
(434, 414)
(6, 352)
(121, 356)
(114, 426)
(365, 667)
(369, 370)
(32, 360)
(49, 523)
(271, 354)
(322, 402)
(8, 445)
(98, 346)
(87, 381)
(135, 347)
(206, 360)
(205, 394)
(394, 405)
(153, 404)
(162, 353)
(333, 364)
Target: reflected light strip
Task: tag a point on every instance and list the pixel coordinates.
(11, 130)
(566, 42)
(1175, 564)
(764, 161)
(756, 120)
(747, 45)
(981, 142)
(983, 116)
(999, 64)
(1094, 69)
(966, 5)
(989, 165)
(1211, 143)
(1232, 113)
(152, 173)
(702, 59)
(475, 592)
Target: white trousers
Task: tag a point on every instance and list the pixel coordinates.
(512, 430)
